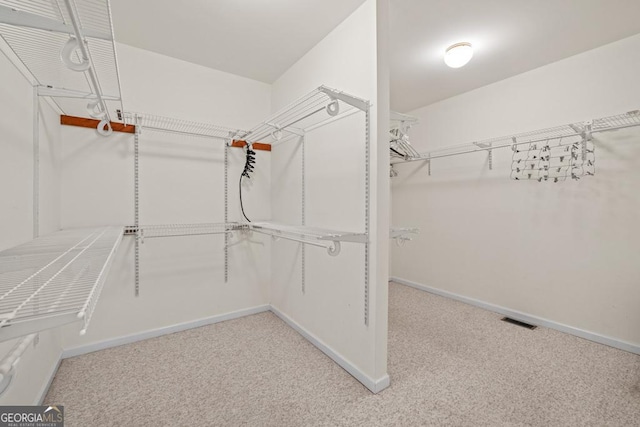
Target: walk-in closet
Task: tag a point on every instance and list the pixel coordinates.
(300, 213)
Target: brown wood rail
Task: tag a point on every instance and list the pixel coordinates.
(93, 124)
(119, 127)
(256, 145)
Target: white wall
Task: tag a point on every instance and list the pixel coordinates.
(564, 252)
(181, 181)
(332, 307)
(155, 83)
(16, 210)
(88, 181)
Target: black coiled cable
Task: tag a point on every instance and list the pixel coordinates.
(248, 170)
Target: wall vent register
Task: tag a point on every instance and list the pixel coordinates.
(518, 323)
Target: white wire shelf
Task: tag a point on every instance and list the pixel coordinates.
(307, 113)
(43, 37)
(177, 230)
(179, 126)
(582, 129)
(54, 280)
(621, 121)
(328, 239)
(403, 234)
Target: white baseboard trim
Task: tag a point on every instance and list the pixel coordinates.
(47, 385)
(524, 317)
(128, 339)
(375, 386)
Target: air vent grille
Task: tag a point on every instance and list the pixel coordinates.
(518, 323)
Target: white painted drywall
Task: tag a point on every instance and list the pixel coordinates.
(16, 211)
(181, 181)
(16, 161)
(154, 83)
(381, 196)
(565, 252)
(332, 307)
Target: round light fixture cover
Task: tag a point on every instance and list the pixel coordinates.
(457, 55)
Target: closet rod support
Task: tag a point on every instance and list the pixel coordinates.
(486, 146)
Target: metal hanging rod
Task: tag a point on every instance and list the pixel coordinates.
(328, 239)
(67, 48)
(54, 280)
(605, 124)
(176, 230)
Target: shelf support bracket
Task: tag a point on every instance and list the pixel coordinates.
(303, 199)
(136, 204)
(585, 132)
(360, 104)
(586, 137)
(226, 205)
(486, 146)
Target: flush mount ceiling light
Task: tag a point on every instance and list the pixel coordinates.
(457, 55)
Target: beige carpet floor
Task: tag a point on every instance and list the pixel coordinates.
(450, 364)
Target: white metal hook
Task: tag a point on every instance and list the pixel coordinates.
(66, 55)
(333, 108)
(334, 248)
(104, 128)
(94, 108)
(277, 134)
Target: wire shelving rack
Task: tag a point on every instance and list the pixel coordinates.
(401, 235)
(54, 280)
(324, 238)
(177, 230)
(313, 110)
(180, 126)
(581, 129)
(67, 48)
